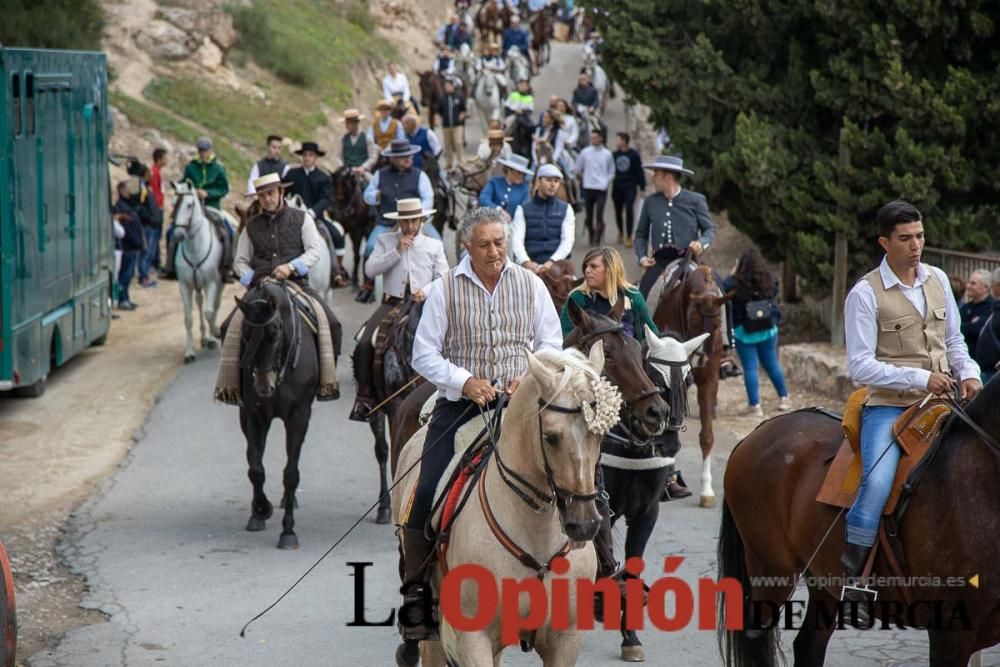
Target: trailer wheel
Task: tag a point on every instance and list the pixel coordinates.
(8, 613)
(100, 340)
(31, 391)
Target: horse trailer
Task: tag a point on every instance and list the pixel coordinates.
(56, 243)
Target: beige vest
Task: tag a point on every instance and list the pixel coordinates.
(489, 339)
(907, 339)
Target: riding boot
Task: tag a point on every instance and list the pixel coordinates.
(367, 293)
(674, 489)
(853, 560)
(416, 616)
(169, 271)
(227, 258)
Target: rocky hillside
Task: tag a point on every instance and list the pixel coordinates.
(238, 71)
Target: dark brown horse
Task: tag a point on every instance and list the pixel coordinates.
(773, 527)
(541, 30)
(444, 197)
(694, 306)
(349, 209)
(491, 21)
(560, 279)
(431, 90)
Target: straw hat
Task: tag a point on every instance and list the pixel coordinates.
(351, 114)
(267, 182)
(407, 209)
(496, 135)
(385, 104)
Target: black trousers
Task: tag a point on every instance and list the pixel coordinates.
(439, 448)
(624, 199)
(338, 239)
(364, 352)
(595, 199)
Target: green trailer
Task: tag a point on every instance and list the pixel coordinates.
(56, 237)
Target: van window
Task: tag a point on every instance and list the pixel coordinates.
(29, 92)
(15, 85)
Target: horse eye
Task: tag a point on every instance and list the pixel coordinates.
(551, 439)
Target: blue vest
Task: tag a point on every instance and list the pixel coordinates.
(395, 185)
(543, 220)
(420, 139)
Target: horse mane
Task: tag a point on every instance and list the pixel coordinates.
(983, 408)
(577, 373)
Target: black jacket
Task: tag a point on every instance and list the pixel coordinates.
(449, 106)
(587, 96)
(628, 170)
(315, 188)
(135, 238)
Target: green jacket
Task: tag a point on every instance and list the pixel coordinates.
(635, 315)
(208, 176)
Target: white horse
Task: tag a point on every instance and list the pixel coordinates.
(597, 77)
(197, 262)
(518, 66)
(319, 274)
(487, 96)
(465, 66)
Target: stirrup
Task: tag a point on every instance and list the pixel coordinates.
(862, 590)
(425, 629)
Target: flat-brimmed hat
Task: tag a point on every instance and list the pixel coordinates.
(400, 148)
(517, 163)
(351, 114)
(548, 171)
(311, 146)
(668, 163)
(385, 104)
(496, 135)
(407, 209)
(267, 182)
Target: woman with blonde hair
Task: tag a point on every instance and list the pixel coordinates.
(604, 284)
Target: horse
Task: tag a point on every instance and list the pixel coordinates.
(321, 272)
(349, 209)
(444, 198)
(546, 439)
(465, 66)
(773, 529)
(491, 21)
(487, 97)
(560, 279)
(197, 260)
(518, 66)
(279, 376)
(401, 108)
(588, 119)
(520, 129)
(692, 307)
(541, 28)
(431, 90)
(593, 69)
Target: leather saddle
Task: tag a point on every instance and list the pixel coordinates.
(915, 430)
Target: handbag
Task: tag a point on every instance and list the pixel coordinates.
(759, 316)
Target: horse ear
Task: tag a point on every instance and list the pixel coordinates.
(652, 340)
(692, 345)
(240, 303)
(618, 310)
(543, 376)
(577, 315)
(597, 356)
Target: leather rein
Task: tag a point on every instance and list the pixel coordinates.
(282, 362)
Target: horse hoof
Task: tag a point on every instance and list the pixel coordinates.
(408, 654)
(290, 542)
(708, 502)
(633, 654)
(384, 516)
(189, 358)
(209, 344)
(256, 524)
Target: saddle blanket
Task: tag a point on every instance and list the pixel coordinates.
(656, 291)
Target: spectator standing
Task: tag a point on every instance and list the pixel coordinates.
(995, 286)
(977, 309)
(596, 168)
(151, 216)
(451, 108)
(156, 187)
(630, 179)
(133, 242)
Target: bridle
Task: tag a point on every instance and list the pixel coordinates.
(586, 340)
(282, 361)
(187, 228)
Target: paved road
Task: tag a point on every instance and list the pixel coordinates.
(166, 556)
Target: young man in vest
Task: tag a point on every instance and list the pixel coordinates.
(277, 242)
(357, 149)
(399, 180)
(422, 137)
(270, 163)
(509, 191)
(403, 257)
(486, 293)
(386, 129)
(544, 226)
(904, 341)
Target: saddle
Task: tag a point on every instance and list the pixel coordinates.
(667, 281)
(915, 430)
(394, 323)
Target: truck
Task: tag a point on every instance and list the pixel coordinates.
(56, 232)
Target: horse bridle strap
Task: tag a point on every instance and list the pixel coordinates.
(586, 339)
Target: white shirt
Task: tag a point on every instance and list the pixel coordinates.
(446, 376)
(255, 174)
(542, 132)
(861, 333)
(396, 85)
(597, 166)
(567, 236)
(450, 69)
(419, 265)
(434, 142)
(483, 151)
(570, 129)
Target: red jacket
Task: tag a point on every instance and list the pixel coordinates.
(156, 185)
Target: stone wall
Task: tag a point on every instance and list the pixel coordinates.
(817, 367)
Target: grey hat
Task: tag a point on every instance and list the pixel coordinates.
(548, 171)
(203, 144)
(668, 163)
(400, 148)
(517, 163)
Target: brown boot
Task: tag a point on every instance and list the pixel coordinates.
(416, 616)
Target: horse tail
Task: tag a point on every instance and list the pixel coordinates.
(739, 648)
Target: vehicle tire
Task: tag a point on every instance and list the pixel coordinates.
(31, 390)
(100, 340)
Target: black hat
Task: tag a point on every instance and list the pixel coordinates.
(310, 146)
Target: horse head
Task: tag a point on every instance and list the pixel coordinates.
(668, 361)
(573, 413)
(644, 412)
(264, 336)
(187, 210)
(703, 313)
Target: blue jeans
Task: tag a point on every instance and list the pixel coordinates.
(876, 475)
(767, 352)
(129, 260)
(151, 257)
(380, 229)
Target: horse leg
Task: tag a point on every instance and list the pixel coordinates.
(474, 649)
(295, 433)
(189, 355)
(950, 648)
(377, 425)
(707, 389)
(255, 431)
(561, 651)
(213, 299)
(814, 635)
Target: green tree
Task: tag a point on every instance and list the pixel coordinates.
(755, 93)
(51, 24)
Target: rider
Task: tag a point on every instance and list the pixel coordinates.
(208, 176)
(277, 242)
(446, 32)
(477, 322)
(395, 84)
(357, 149)
(549, 131)
(493, 62)
(521, 100)
(422, 137)
(585, 95)
(494, 146)
(570, 126)
(444, 63)
(904, 341)
(404, 257)
(399, 180)
(386, 128)
(270, 163)
(517, 36)
(544, 227)
(509, 191)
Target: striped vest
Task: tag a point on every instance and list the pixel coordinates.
(486, 338)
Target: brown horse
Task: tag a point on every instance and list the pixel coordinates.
(349, 209)
(491, 21)
(773, 527)
(692, 307)
(431, 90)
(560, 279)
(541, 29)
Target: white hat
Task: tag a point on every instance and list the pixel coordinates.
(517, 163)
(549, 171)
(407, 209)
(267, 182)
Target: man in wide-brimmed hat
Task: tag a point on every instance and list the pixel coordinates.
(281, 242)
(357, 148)
(544, 226)
(507, 192)
(385, 128)
(406, 259)
(399, 180)
(495, 145)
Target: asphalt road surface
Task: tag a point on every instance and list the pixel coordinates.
(167, 558)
